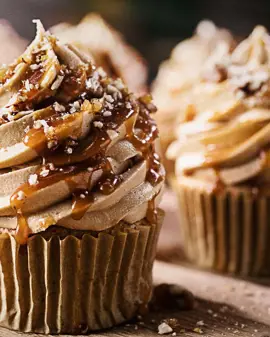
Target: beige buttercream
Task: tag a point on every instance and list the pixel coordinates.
(29, 105)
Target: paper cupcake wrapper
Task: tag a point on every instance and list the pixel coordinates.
(75, 285)
(228, 232)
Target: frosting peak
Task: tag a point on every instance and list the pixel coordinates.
(77, 149)
(108, 49)
(254, 51)
(191, 61)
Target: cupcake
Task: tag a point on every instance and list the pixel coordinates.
(80, 187)
(177, 75)
(222, 164)
(107, 48)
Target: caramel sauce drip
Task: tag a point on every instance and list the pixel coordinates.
(81, 204)
(151, 214)
(143, 141)
(88, 154)
(22, 231)
(83, 198)
(219, 186)
(36, 139)
(109, 180)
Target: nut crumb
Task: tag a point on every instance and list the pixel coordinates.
(76, 106)
(98, 124)
(164, 328)
(101, 72)
(109, 98)
(34, 66)
(111, 89)
(33, 179)
(44, 173)
(107, 113)
(21, 195)
(69, 150)
(200, 323)
(119, 84)
(198, 330)
(128, 105)
(58, 107)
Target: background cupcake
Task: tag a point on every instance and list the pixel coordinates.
(12, 45)
(107, 48)
(80, 185)
(222, 164)
(178, 74)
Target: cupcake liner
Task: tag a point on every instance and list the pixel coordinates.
(77, 283)
(227, 231)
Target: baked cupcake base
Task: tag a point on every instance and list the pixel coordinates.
(66, 281)
(228, 230)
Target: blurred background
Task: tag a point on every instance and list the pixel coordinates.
(152, 26)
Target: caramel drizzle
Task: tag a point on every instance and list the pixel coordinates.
(151, 214)
(141, 131)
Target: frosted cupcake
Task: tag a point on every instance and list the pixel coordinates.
(80, 185)
(187, 65)
(222, 164)
(107, 48)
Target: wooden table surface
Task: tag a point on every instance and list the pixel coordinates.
(225, 306)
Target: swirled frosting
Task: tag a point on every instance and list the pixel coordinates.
(228, 137)
(76, 148)
(189, 62)
(107, 48)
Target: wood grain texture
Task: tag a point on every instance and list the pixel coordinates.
(227, 307)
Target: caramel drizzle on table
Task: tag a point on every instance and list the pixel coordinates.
(91, 150)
